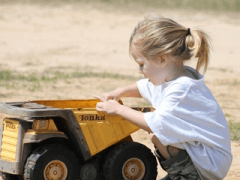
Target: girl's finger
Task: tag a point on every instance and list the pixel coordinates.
(98, 106)
(99, 97)
(98, 109)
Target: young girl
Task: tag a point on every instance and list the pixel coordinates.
(188, 127)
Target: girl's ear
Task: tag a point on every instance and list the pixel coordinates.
(164, 60)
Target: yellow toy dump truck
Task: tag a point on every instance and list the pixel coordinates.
(70, 140)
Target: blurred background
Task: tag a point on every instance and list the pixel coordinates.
(74, 49)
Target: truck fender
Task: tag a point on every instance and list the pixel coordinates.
(37, 138)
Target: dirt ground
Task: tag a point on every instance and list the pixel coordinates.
(41, 38)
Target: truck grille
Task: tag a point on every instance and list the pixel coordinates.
(9, 140)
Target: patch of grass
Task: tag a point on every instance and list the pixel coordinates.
(235, 82)
(35, 81)
(223, 70)
(227, 115)
(234, 128)
(7, 75)
(79, 74)
(213, 5)
(35, 87)
(232, 82)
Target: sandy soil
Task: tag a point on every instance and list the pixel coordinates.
(35, 38)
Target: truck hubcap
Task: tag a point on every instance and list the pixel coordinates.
(133, 169)
(55, 170)
(88, 172)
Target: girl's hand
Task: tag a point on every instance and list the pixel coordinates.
(109, 107)
(112, 107)
(114, 95)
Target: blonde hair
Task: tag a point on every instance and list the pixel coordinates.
(156, 36)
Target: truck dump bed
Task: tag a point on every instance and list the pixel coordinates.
(99, 130)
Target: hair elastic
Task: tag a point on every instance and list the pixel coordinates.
(188, 31)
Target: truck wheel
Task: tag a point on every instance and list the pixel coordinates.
(130, 161)
(52, 162)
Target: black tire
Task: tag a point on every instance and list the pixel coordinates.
(130, 161)
(52, 161)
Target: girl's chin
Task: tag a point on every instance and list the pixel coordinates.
(155, 83)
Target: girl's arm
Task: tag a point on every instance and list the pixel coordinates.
(130, 91)
(112, 107)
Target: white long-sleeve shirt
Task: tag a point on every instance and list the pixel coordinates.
(187, 116)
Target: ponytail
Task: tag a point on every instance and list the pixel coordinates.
(198, 42)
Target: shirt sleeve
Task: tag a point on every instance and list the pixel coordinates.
(188, 114)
